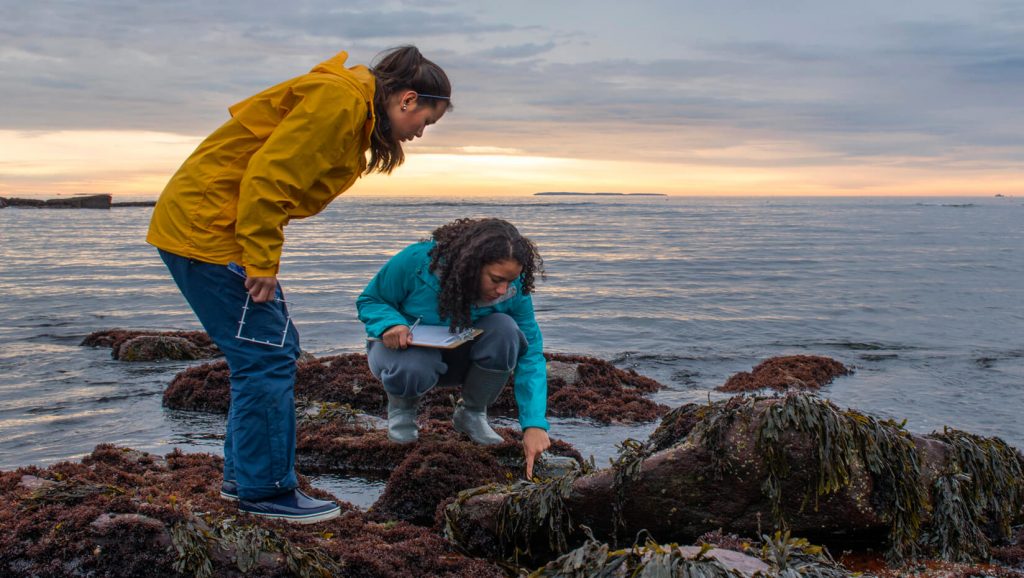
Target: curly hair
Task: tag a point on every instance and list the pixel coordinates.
(464, 247)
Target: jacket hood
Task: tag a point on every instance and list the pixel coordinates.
(358, 75)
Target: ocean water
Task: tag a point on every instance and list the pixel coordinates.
(923, 297)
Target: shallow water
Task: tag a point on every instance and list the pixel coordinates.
(924, 297)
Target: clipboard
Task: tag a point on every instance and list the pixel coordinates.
(439, 336)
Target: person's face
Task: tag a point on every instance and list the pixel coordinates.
(496, 277)
(410, 115)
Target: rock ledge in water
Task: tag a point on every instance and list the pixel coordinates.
(128, 345)
(793, 372)
(598, 391)
(101, 201)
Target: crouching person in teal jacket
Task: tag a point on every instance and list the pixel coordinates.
(471, 273)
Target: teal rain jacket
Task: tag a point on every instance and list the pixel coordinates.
(405, 289)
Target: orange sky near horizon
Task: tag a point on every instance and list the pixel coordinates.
(138, 163)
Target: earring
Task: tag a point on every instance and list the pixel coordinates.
(404, 106)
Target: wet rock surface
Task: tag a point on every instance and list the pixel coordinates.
(792, 372)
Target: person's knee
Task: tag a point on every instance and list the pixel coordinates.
(406, 373)
(264, 375)
(408, 379)
(499, 346)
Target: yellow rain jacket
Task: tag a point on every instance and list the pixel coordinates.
(285, 154)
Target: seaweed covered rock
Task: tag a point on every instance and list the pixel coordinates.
(419, 476)
(796, 372)
(598, 390)
(794, 462)
(126, 513)
(127, 345)
(202, 388)
(432, 474)
(158, 347)
(781, 556)
(339, 379)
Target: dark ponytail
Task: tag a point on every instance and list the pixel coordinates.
(398, 69)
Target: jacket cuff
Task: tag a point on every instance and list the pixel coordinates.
(253, 271)
(525, 422)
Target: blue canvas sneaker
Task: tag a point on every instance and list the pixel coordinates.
(293, 506)
(229, 490)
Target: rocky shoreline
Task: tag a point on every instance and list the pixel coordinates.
(747, 481)
(103, 201)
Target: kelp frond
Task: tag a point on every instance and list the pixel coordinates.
(982, 488)
(194, 538)
(328, 411)
(69, 492)
(842, 438)
(535, 511)
(627, 470)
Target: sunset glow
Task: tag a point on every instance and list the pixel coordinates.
(138, 163)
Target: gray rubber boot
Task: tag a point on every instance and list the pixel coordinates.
(402, 419)
(480, 390)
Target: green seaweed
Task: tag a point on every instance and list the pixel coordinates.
(996, 477)
(796, 557)
(627, 468)
(311, 413)
(650, 560)
(534, 510)
(843, 437)
(980, 490)
(194, 538)
(69, 492)
(785, 556)
(983, 488)
(714, 428)
(955, 534)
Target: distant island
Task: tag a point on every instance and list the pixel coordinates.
(101, 201)
(602, 194)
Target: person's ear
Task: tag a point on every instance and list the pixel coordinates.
(408, 99)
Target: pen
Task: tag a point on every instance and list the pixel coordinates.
(415, 323)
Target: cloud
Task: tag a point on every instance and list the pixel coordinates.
(391, 24)
(518, 51)
(938, 81)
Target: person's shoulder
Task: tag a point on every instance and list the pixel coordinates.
(417, 251)
(336, 92)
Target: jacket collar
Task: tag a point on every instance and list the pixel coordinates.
(359, 77)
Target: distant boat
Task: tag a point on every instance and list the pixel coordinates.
(1000, 195)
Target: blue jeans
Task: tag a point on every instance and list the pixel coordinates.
(414, 371)
(259, 447)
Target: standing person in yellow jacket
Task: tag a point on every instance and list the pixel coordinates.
(284, 154)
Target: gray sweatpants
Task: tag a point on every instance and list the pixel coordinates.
(414, 371)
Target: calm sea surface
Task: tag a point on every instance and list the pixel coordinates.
(924, 297)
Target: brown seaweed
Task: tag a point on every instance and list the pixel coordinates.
(796, 372)
(125, 513)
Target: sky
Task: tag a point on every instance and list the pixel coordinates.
(701, 97)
